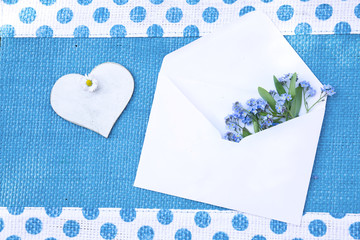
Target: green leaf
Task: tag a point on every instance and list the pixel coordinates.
(292, 85)
(263, 113)
(256, 126)
(296, 103)
(267, 97)
(246, 132)
(279, 87)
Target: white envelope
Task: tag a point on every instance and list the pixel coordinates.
(266, 174)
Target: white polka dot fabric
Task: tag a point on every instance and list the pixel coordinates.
(152, 224)
(169, 18)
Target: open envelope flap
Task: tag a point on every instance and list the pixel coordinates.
(227, 66)
(266, 174)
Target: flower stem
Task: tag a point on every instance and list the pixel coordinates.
(321, 98)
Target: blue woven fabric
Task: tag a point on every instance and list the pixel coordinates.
(47, 161)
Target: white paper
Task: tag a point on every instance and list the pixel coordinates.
(98, 110)
(266, 174)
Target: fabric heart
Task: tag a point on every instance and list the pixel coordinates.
(95, 101)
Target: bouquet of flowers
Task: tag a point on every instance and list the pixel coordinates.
(274, 106)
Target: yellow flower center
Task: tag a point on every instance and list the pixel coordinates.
(89, 83)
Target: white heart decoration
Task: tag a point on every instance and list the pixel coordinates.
(97, 110)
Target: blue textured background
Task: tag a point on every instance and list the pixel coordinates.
(47, 161)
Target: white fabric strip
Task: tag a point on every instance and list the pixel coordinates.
(113, 223)
(172, 18)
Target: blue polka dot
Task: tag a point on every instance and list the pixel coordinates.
(13, 237)
(183, 234)
(101, 15)
(229, 1)
(48, 2)
(220, 236)
(258, 237)
(266, 1)
(278, 227)
(155, 31)
(81, 32)
(304, 0)
(118, 31)
(303, 28)
(44, 31)
(202, 219)
(342, 28)
(7, 31)
(27, 15)
(246, 10)
(156, 1)
(90, 213)
(64, 15)
(33, 226)
(53, 211)
(128, 214)
(165, 216)
(145, 233)
(323, 11)
(285, 12)
(191, 31)
(297, 239)
(51, 238)
(338, 215)
(137, 14)
(120, 2)
(71, 228)
(210, 15)
(15, 210)
(240, 222)
(2, 225)
(357, 11)
(10, 1)
(108, 231)
(174, 15)
(354, 230)
(192, 2)
(84, 2)
(317, 228)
